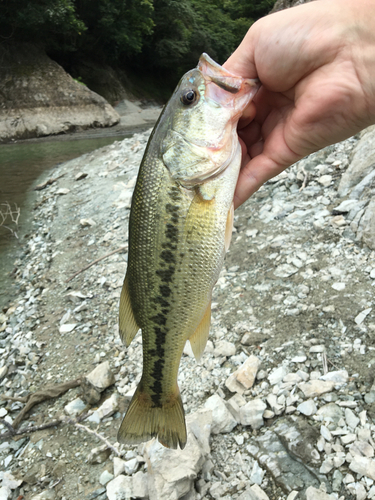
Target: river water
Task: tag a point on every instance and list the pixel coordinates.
(20, 166)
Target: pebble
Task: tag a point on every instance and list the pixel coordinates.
(222, 419)
(364, 466)
(277, 375)
(359, 319)
(308, 407)
(244, 377)
(75, 407)
(252, 413)
(101, 377)
(105, 477)
(315, 388)
(121, 487)
(224, 348)
(291, 373)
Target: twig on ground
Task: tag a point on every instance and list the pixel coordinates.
(99, 436)
(61, 421)
(324, 363)
(96, 261)
(306, 175)
(35, 428)
(49, 392)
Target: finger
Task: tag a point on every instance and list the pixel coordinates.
(247, 115)
(250, 134)
(255, 173)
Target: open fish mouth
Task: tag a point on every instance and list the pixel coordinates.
(221, 85)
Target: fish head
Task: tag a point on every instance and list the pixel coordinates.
(200, 122)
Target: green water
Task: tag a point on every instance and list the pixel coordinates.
(20, 166)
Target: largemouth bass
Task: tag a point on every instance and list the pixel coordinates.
(180, 227)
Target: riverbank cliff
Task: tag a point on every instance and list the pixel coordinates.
(38, 98)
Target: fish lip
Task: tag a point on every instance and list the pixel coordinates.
(221, 85)
(212, 71)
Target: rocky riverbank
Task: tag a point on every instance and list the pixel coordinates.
(38, 98)
(282, 404)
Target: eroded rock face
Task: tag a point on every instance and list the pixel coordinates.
(39, 98)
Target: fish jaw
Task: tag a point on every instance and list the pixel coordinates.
(226, 89)
(201, 140)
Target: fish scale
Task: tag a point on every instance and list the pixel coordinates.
(179, 230)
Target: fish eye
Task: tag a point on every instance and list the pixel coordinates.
(188, 97)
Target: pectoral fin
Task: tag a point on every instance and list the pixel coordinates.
(199, 338)
(229, 228)
(127, 324)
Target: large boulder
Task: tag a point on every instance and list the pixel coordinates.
(39, 98)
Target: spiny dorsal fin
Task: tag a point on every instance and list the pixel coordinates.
(127, 324)
(199, 338)
(229, 228)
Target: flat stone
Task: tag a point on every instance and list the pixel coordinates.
(252, 413)
(224, 348)
(244, 377)
(338, 286)
(339, 376)
(118, 466)
(131, 466)
(222, 419)
(315, 388)
(3, 372)
(254, 493)
(140, 485)
(315, 494)
(173, 471)
(101, 377)
(330, 412)
(120, 488)
(285, 270)
(308, 407)
(277, 375)
(105, 477)
(359, 319)
(362, 449)
(351, 419)
(364, 466)
(324, 431)
(325, 180)
(109, 407)
(75, 407)
(200, 424)
(234, 404)
(67, 327)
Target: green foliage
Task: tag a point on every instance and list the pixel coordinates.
(114, 27)
(24, 20)
(162, 37)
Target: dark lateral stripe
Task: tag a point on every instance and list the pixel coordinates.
(167, 257)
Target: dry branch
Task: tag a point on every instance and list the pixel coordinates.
(37, 397)
(96, 261)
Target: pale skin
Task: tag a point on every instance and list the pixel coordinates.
(316, 63)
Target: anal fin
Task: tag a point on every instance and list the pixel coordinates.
(127, 324)
(199, 338)
(229, 228)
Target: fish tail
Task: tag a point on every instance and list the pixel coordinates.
(144, 420)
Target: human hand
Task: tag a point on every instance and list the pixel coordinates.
(316, 63)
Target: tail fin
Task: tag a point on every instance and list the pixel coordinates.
(144, 420)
